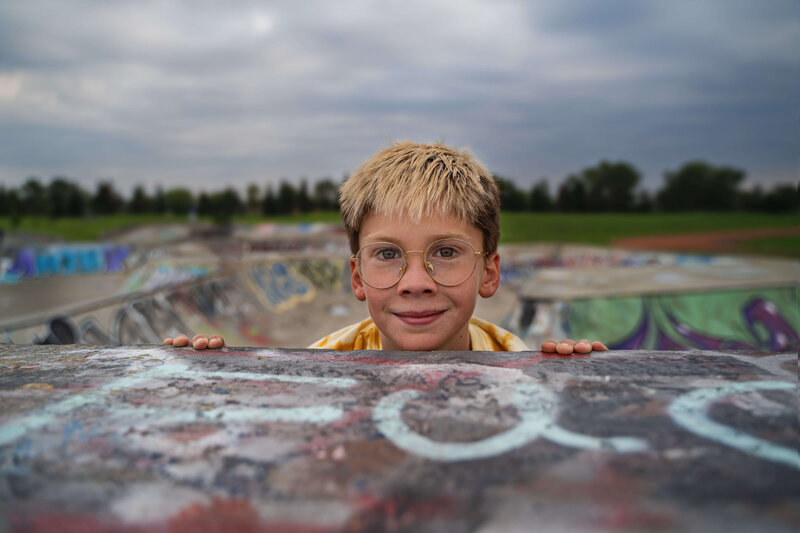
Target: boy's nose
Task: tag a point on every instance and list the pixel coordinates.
(416, 278)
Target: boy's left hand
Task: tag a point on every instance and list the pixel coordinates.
(569, 347)
(198, 342)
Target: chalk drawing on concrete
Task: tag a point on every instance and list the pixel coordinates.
(690, 411)
(537, 407)
(128, 415)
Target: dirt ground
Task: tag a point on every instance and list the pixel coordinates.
(707, 242)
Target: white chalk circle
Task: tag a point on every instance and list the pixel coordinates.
(691, 412)
(536, 406)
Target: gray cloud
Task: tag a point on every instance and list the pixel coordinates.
(204, 93)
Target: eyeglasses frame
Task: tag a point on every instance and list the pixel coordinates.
(428, 266)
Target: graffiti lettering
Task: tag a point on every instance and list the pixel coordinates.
(67, 260)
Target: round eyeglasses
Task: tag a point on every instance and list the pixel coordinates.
(449, 262)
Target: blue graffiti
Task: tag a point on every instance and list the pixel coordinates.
(67, 259)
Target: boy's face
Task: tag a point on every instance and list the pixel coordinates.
(417, 313)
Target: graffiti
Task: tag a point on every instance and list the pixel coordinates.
(377, 443)
(765, 319)
(60, 330)
(146, 321)
(519, 264)
(164, 275)
(279, 287)
(67, 260)
(691, 412)
(133, 416)
(536, 405)
(323, 273)
(150, 319)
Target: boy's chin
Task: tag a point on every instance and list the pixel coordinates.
(411, 344)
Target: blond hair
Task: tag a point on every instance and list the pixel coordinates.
(416, 181)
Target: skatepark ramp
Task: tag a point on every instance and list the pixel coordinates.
(152, 438)
(285, 295)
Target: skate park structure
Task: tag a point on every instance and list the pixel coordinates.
(288, 285)
(162, 439)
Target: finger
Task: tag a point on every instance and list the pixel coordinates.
(180, 340)
(565, 347)
(549, 346)
(215, 341)
(583, 346)
(199, 342)
(599, 347)
(167, 341)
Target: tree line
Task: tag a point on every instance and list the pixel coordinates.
(606, 187)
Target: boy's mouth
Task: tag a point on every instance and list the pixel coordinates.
(419, 318)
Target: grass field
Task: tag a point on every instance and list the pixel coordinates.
(602, 228)
(589, 228)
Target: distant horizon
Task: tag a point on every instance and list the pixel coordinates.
(214, 94)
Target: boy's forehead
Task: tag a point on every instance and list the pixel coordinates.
(396, 228)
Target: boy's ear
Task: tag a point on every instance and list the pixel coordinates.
(491, 276)
(356, 283)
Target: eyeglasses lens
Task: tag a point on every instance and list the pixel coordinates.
(449, 262)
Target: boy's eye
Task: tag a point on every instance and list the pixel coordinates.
(387, 254)
(446, 252)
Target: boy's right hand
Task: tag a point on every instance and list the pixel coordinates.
(569, 347)
(198, 342)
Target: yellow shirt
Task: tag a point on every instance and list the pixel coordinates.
(484, 336)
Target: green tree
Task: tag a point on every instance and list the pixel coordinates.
(106, 200)
(540, 199)
(303, 199)
(782, 198)
(5, 201)
(204, 204)
(33, 196)
(270, 204)
(511, 198)
(700, 186)
(179, 201)
(13, 208)
(610, 186)
(65, 198)
(753, 199)
(572, 195)
(326, 195)
(140, 202)
(224, 205)
(286, 198)
(159, 202)
(253, 199)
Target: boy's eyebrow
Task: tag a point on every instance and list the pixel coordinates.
(384, 238)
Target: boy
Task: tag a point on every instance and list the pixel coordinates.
(423, 223)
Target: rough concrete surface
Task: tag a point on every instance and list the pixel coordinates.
(149, 438)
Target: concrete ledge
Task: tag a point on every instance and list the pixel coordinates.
(148, 438)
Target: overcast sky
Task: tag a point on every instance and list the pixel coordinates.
(208, 93)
